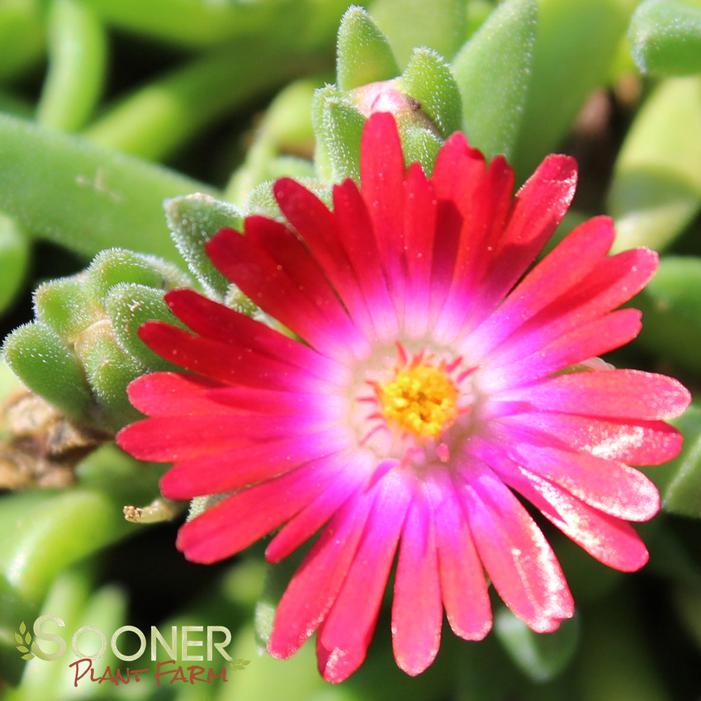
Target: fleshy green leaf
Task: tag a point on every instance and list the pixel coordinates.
(128, 306)
(679, 481)
(576, 43)
(14, 260)
(422, 145)
(656, 187)
(77, 64)
(540, 657)
(671, 304)
(21, 37)
(38, 531)
(158, 118)
(39, 357)
(428, 80)
(193, 220)
(108, 370)
(666, 37)
(84, 197)
(341, 131)
(493, 72)
(285, 128)
(408, 24)
(67, 305)
(363, 52)
(115, 266)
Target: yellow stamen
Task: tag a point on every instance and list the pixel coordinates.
(421, 399)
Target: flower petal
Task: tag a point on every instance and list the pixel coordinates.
(514, 551)
(346, 632)
(463, 585)
(608, 393)
(416, 610)
(610, 540)
(245, 517)
(246, 464)
(315, 585)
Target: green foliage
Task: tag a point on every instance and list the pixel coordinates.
(363, 52)
(493, 71)
(45, 364)
(567, 65)
(91, 197)
(82, 350)
(656, 186)
(672, 312)
(340, 132)
(680, 481)
(77, 66)
(428, 80)
(193, 220)
(540, 657)
(408, 24)
(666, 37)
(14, 260)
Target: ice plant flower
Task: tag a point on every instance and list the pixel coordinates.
(434, 378)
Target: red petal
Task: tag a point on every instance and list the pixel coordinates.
(313, 517)
(221, 323)
(518, 559)
(248, 515)
(539, 208)
(247, 464)
(348, 628)
(358, 239)
(382, 186)
(275, 286)
(611, 541)
(635, 443)
(315, 585)
(610, 393)
(417, 611)
(317, 226)
(226, 363)
(173, 394)
(463, 585)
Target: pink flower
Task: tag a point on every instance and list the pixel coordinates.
(436, 378)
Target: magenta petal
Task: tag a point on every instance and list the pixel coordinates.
(317, 226)
(635, 443)
(610, 540)
(172, 394)
(382, 186)
(241, 519)
(309, 520)
(611, 487)
(609, 393)
(587, 341)
(349, 626)
(558, 272)
(314, 587)
(416, 610)
(246, 464)
(463, 585)
(518, 559)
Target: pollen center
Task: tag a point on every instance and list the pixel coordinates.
(421, 399)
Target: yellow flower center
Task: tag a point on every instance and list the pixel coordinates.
(421, 399)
